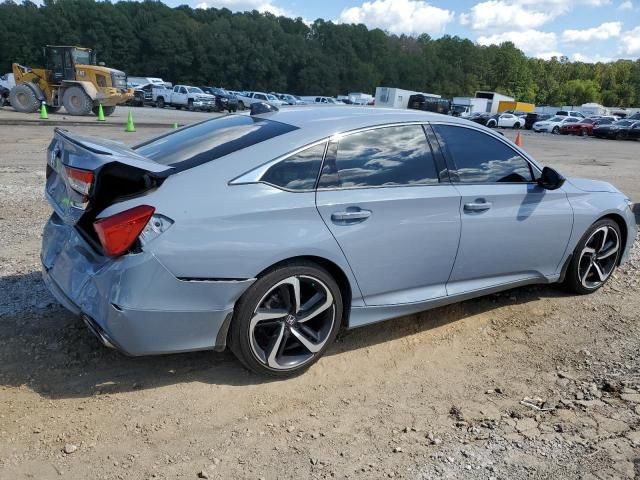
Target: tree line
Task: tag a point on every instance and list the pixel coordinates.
(260, 51)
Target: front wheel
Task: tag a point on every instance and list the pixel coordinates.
(286, 320)
(595, 257)
(76, 101)
(516, 126)
(556, 130)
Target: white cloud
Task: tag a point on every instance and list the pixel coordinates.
(626, 5)
(601, 32)
(411, 17)
(532, 42)
(496, 14)
(579, 57)
(246, 5)
(505, 15)
(631, 42)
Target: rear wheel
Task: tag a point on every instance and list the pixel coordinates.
(516, 126)
(190, 106)
(23, 99)
(160, 102)
(286, 320)
(595, 257)
(491, 124)
(241, 105)
(76, 101)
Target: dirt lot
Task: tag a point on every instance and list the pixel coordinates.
(435, 395)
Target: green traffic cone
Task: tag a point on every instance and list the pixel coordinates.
(43, 112)
(175, 124)
(100, 113)
(130, 126)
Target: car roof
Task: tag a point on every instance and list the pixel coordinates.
(325, 121)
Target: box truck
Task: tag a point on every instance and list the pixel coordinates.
(494, 99)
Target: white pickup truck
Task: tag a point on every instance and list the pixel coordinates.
(253, 97)
(191, 98)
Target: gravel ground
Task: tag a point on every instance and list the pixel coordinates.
(530, 383)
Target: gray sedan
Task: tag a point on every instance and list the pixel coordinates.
(268, 233)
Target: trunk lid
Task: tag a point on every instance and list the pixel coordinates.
(114, 171)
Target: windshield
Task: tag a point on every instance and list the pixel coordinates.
(271, 97)
(211, 139)
(82, 57)
(194, 90)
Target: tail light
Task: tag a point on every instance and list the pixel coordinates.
(119, 232)
(80, 180)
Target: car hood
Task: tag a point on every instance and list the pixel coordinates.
(588, 185)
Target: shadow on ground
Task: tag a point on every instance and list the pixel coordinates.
(50, 351)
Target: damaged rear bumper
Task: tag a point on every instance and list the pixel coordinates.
(133, 303)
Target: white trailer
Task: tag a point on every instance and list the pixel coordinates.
(589, 109)
(359, 98)
(465, 106)
(493, 99)
(388, 97)
(134, 82)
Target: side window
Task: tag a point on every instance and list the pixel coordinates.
(387, 156)
(176, 88)
(259, 96)
(299, 171)
(480, 158)
(183, 90)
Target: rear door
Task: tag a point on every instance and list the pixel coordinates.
(512, 229)
(395, 217)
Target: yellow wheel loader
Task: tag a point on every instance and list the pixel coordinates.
(71, 79)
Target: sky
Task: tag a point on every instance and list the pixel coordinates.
(583, 30)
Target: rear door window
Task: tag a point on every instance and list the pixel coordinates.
(390, 156)
(478, 157)
(210, 140)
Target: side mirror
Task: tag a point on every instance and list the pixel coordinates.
(550, 179)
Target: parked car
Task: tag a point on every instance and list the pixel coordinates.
(532, 118)
(620, 130)
(142, 95)
(4, 96)
(569, 113)
(183, 96)
(505, 120)
(247, 98)
(635, 116)
(583, 127)
(224, 100)
(291, 99)
(322, 100)
(269, 233)
(554, 124)
(481, 118)
(419, 101)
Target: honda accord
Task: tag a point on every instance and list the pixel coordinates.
(270, 232)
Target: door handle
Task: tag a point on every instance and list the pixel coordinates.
(477, 206)
(350, 216)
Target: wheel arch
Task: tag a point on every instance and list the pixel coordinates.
(338, 274)
(623, 230)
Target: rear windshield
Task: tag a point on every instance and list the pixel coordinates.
(211, 139)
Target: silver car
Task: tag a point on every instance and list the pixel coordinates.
(268, 233)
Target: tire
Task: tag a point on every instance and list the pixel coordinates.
(286, 344)
(241, 105)
(555, 130)
(190, 105)
(23, 99)
(491, 124)
(516, 126)
(582, 276)
(53, 109)
(178, 107)
(583, 132)
(76, 101)
(160, 102)
(106, 110)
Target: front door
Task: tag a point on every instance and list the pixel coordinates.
(512, 229)
(397, 223)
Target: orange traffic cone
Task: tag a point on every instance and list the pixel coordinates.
(518, 140)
